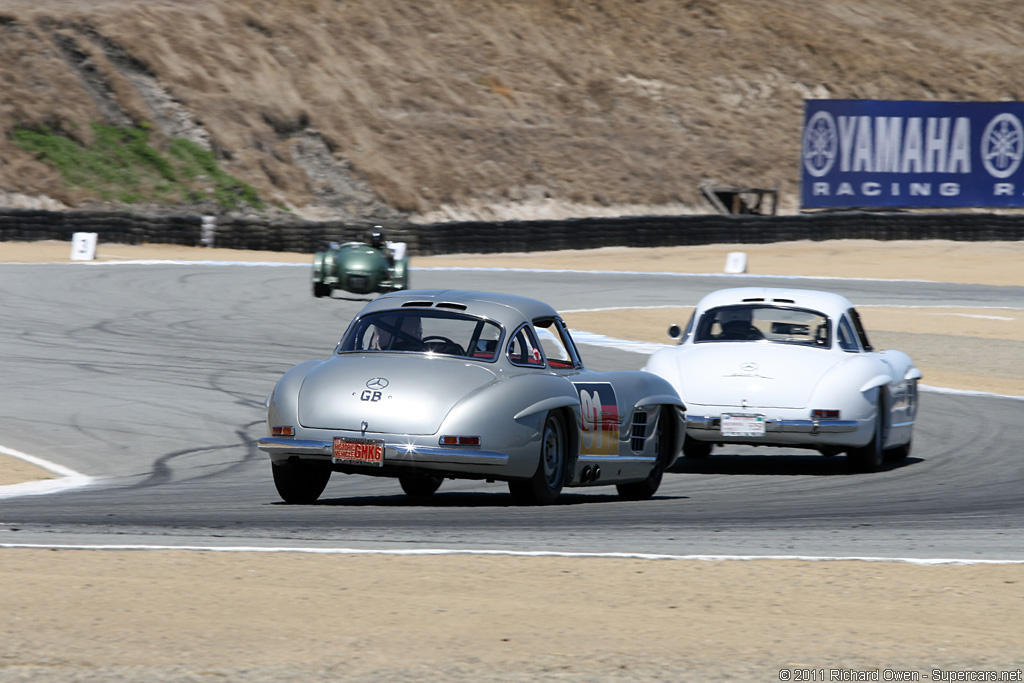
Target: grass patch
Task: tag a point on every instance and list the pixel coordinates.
(121, 165)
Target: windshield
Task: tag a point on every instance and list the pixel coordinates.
(764, 323)
(424, 331)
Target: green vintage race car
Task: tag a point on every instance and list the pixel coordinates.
(360, 268)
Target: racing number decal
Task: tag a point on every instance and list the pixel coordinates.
(599, 423)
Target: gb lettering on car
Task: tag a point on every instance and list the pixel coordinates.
(599, 419)
(374, 389)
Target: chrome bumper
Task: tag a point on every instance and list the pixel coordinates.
(394, 454)
(713, 423)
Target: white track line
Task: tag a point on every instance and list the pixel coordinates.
(69, 479)
(183, 262)
(669, 274)
(508, 553)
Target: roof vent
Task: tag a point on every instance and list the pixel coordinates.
(449, 304)
(424, 304)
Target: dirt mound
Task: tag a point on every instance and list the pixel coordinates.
(451, 108)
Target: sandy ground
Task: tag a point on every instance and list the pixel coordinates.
(79, 615)
(179, 615)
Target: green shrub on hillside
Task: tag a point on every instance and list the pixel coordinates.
(121, 165)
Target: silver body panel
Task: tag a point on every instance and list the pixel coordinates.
(410, 400)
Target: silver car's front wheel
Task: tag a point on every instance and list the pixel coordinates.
(546, 483)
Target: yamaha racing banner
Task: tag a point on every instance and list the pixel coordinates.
(880, 153)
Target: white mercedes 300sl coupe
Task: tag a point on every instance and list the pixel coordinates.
(790, 368)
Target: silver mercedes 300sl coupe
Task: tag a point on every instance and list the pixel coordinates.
(428, 385)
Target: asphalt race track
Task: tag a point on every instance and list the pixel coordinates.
(151, 378)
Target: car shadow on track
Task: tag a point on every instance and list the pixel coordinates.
(457, 499)
(779, 465)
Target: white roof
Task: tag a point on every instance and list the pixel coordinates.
(827, 302)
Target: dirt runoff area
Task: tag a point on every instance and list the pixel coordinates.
(91, 615)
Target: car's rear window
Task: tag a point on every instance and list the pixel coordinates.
(426, 332)
(776, 324)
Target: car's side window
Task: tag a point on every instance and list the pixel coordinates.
(861, 334)
(523, 348)
(689, 329)
(847, 337)
(556, 354)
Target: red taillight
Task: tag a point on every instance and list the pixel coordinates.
(825, 414)
(282, 431)
(459, 440)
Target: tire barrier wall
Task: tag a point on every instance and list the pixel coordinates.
(510, 236)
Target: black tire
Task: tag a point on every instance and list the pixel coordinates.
(300, 482)
(419, 484)
(870, 457)
(696, 450)
(544, 487)
(898, 453)
(665, 439)
(321, 290)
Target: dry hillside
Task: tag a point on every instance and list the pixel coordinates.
(448, 108)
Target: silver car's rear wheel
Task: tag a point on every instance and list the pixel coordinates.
(419, 484)
(544, 487)
(299, 482)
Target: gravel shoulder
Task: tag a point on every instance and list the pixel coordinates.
(86, 615)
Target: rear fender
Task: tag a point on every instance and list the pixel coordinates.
(524, 398)
(875, 382)
(283, 402)
(661, 399)
(509, 417)
(548, 404)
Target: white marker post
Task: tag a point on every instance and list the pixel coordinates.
(83, 246)
(736, 263)
(209, 231)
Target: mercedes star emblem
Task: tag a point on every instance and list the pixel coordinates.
(376, 383)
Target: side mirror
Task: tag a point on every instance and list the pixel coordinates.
(675, 332)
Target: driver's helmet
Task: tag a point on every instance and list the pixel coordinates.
(733, 315)
(377, 237)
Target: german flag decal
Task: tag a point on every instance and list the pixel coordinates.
(599, 423)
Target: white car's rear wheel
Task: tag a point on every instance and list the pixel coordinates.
(869, 458)
(698, 450)
(898, 453)
(665, 440)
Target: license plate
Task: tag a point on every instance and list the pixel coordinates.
(742, 425)
(358, 452)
